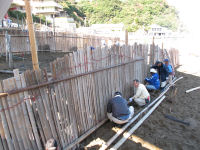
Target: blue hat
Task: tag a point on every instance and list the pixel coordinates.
(166, 60)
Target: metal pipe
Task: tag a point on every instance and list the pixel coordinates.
(193, 89)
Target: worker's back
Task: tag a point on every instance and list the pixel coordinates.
(119, 108)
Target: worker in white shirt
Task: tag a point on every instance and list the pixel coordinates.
(142, 96)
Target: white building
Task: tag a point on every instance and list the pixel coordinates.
(48, 8)
(158, 31)
(65, 24)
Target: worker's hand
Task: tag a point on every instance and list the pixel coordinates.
(130, 100)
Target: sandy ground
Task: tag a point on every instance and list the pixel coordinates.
(158, 131)
(24, 62)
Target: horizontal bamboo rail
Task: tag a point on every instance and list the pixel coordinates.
(68, 78)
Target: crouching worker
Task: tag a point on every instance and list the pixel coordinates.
(142, 96)
(162, 72)
(170, 71)
(118, 110)
(153, 81)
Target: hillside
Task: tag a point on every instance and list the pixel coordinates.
(135, 14)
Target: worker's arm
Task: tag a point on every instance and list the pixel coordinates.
(109, 107)
(152, 79)
(138, 93)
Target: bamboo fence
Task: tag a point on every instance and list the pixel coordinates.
(47, 41)
(72, 102)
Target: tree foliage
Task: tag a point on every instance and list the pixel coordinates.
(134, 14)
(22, 15)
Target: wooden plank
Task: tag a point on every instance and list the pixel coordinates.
(55, 107)
(44, 94)
(31, 115)
(24, 118)
(3, 142)
(60, 111)
(92, 87)
(80, 98)
(75, 96)
(97, 95)
(20, 123)
(38, 108)
(86, 91)
(69, 103)
(64, 111)
(7, 84)
(5, 123)
(31, 140)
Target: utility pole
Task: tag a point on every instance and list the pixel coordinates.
(31, 35)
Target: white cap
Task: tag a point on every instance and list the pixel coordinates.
(153, 70)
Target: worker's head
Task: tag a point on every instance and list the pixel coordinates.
(118, 93)
(136, 82)
(166, 61)
(152, 71)
(158, 63)
(51, 144)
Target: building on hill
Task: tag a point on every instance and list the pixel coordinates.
(50, 9)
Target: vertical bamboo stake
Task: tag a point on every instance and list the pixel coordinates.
(7, 45)
(31, 35)
(126, 37)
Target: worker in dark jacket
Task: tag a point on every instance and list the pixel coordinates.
(162, 72)
(118, 110)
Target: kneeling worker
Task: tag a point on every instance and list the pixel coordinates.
(118, 110)
(142, 96)
(154, 82)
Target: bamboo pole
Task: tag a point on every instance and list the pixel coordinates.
(193, 89)
(31, 35)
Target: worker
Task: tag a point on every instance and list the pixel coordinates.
(118, 110)
(153, 81)
(51, 145)
(162, 72)
(170, 72)
(142, 96)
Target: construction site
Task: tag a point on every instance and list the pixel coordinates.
(57, 85)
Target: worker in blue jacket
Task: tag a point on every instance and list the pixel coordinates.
(170, 71)
(154, 82)
(162, 72)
